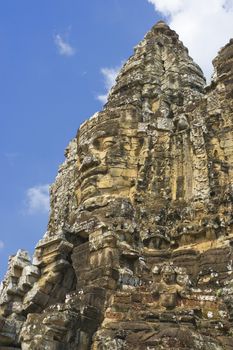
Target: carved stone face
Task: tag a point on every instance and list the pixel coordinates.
(149, 164)
(169, 277)
(108, 158)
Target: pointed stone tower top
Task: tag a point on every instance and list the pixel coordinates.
(160, 25)
(160, 67)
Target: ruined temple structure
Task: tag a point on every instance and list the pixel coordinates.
(138, 253)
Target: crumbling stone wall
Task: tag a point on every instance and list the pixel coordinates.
(138, 251)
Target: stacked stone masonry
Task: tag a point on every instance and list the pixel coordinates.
(138, 253)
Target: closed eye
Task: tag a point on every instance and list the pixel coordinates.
(102, 144)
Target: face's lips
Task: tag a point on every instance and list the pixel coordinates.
(89, 191)
(98, 170)
(89, 181)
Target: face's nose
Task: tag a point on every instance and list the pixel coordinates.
(89, 161)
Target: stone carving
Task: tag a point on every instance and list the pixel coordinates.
(170, 287)
(138, 249)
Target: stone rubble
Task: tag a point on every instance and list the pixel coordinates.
(138, 253)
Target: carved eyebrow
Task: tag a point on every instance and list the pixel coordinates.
(111, 140)
(100, 133)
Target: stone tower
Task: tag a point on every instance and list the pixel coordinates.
(138, 251)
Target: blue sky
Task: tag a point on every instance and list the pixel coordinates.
(58, 59)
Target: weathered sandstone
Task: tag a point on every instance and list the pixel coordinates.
(138, 253)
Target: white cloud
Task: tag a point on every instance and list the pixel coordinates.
(166, 6)
(103, 98)
(2, 244)
(64, 48)
(204, 26)
(109, 75)
(37, 199)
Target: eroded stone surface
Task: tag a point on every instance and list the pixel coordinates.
(138, 251)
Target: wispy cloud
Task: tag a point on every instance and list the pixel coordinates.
(109, 75)
(63, 46)
(103, 98)
(2, 245)
(204, 26)
(37, 199)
